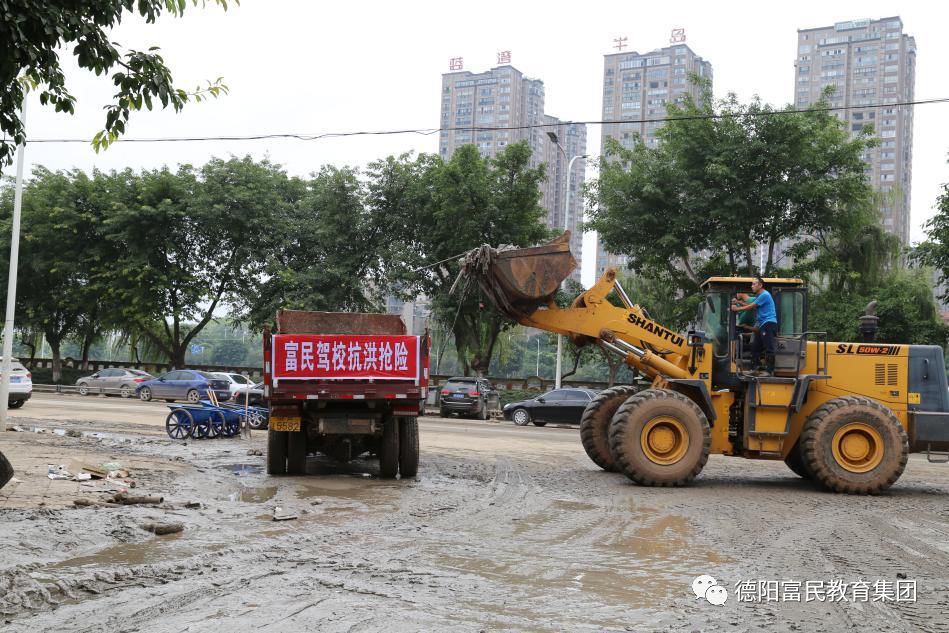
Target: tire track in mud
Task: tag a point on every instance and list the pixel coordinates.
(542, 541)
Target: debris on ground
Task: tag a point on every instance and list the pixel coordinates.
(58, 472)
(254, 451)
(163, 528)
(280, 515)
(125, 499)
(193, 505)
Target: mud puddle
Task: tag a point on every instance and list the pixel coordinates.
(242, 470)
(156, 550)
(254, 494)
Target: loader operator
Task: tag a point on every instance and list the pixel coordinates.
(747, 320)
(767, 324)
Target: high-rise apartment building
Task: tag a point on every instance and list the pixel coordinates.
(636, 89)
(872, 66)
(501, 106)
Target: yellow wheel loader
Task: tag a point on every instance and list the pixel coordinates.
(843, 414)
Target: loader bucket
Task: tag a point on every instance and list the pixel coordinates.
(519, 280)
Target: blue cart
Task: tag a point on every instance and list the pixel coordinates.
(201, 420)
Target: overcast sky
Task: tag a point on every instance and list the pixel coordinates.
(296, 66)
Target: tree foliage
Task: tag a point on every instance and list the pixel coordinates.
(324, 251)
(450, 208)
(934, 251)
(184, 241)
(723, 178)
(57, 295)
(33, 36)
(905, 306)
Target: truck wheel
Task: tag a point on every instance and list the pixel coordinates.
(660, 437)
(595, 424)
(795, 462)
(408, 447)
(296, 451)
(277, 452)
(854, 445)
(389, 449)
(442, 413)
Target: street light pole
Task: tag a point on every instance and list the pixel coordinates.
(7, 363)
(566, 213)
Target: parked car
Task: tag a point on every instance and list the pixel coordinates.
(256, 392)
(236, 381)
(115, 381)
(468, 396)
(560, 405)
(21, 384)
(184, 384)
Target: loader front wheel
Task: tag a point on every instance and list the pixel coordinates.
(595, 424)
(854, 445)
(660, 437)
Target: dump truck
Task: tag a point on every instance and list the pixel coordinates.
(343, 384)
(844, 414)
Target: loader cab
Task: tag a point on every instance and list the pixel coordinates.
(719, 323)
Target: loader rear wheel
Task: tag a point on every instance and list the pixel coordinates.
(855, 445)
(408, 447)
(277, 452)
(595, 424)
(660, 437)
(389, 448)
(796, 463)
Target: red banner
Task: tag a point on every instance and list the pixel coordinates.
(339, 356)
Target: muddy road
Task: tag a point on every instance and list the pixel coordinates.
(504, 529)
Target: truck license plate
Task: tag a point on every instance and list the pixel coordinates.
(458, 395)
(280, 423)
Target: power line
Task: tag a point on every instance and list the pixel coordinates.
(430, 131)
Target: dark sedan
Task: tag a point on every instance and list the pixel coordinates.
(184, 384)
(560, 405)
(252, 395)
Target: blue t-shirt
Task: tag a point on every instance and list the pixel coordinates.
(766, 312)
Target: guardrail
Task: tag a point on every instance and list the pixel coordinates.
(90, 391)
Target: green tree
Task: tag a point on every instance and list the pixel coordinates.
(58, 256)
(230, 352)
(185, 241)
(33, 36)
(905, 306)
(323, 253)
(934, 251)
(460, 205)
(724, 178)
